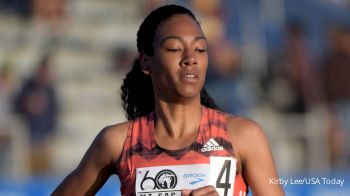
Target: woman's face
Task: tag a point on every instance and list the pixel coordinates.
(180, 59)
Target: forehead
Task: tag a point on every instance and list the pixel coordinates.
(178, 25)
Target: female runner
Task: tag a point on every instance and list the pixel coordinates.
(176, 142)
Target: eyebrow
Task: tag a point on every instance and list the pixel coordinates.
(180, 38)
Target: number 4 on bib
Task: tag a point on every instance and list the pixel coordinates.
(222, 174)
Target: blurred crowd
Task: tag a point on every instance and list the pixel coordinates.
(245, 77)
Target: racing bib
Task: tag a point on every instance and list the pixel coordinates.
(222, 174)
(170, 180)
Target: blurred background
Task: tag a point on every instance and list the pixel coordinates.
(283, 63)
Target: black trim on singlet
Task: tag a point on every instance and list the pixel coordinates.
(149, 154)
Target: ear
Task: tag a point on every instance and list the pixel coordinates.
(145, 62)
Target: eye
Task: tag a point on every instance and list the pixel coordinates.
(201, 50)
(173, 49)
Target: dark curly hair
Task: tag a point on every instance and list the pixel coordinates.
(137, 89)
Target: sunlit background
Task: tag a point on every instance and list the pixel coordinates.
(283, 63)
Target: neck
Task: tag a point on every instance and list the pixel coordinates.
(177, 120)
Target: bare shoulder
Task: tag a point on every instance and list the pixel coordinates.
(112, 137)
(244, 128)
(244, 132)
(115, 132)
(255, 157)
(97, 164)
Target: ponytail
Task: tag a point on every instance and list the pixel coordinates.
(137, 93)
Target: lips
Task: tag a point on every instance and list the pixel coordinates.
(190, 77)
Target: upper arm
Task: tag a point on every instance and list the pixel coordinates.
(253, 149)
(97, 164)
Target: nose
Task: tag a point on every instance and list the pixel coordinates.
(189, 58)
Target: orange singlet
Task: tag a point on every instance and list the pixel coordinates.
(141, 151)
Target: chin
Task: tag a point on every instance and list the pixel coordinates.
(189, 93)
